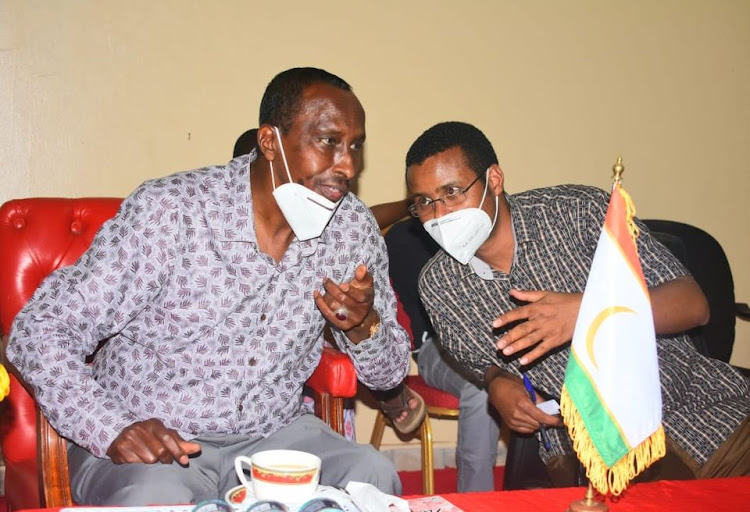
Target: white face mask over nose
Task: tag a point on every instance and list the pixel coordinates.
(306, 211)
(462, 232)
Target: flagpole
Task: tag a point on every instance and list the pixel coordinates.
(589, 503)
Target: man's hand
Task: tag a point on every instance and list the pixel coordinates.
(355, 298)
(150, 442)
(508, 395)
(547, 321)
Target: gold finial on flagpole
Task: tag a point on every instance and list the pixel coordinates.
(617, 170)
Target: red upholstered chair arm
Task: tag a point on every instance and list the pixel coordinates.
(333, 380)
(334, 375)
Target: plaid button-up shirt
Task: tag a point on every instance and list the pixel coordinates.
(556, 231)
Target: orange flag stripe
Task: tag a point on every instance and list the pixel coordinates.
(616, 224)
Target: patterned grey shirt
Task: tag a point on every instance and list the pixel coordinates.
(204, 331)
(556, 231)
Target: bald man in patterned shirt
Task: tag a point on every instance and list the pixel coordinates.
(212, 289)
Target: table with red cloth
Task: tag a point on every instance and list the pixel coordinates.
(716, 495)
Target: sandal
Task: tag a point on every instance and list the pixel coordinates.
(393, 407)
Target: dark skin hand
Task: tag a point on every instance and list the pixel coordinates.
(550, 319)
(149, 441)
(508, 395)
(357, 296)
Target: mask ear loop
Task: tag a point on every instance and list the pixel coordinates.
(283, 154)
(273, 180)
(494, 220)
(484, 194)
(486, 185)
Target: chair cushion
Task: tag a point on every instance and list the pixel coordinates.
(433, 397)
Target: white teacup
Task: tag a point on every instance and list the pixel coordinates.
(284, 475)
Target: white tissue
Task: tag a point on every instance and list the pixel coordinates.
(370, 499)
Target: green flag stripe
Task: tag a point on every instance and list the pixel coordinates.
(601, 427)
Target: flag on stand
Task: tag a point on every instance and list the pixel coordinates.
(611, 397)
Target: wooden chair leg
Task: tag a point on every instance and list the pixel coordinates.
(336, 405)
(54, 484)
(330, 409)
(428, 475)
(377, 430)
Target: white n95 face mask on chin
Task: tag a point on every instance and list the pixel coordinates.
(462, 232)
(307, 212)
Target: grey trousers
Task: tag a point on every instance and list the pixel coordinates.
(478, 430)
(96, 481)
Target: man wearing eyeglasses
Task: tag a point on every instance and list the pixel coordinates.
(504, 293)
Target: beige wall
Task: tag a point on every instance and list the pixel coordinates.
(99, 95)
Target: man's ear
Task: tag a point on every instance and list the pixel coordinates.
(496, 180)
(267, 141)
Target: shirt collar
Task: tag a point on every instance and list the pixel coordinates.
(481, 269)
(234, 201)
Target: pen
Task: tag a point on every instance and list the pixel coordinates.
(532, 395)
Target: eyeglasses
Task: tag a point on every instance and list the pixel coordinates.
(453, 197)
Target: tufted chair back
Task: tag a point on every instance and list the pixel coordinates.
(37, 236)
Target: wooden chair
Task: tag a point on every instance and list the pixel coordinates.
(37, 236)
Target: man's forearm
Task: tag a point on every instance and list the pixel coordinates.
(494, 372)
(72, 401)
(678, 305)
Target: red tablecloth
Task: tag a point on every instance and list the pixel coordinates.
(716, 495)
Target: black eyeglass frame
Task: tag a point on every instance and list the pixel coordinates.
(432, 202)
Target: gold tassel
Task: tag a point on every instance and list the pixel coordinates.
(612, 480)
(633, 229)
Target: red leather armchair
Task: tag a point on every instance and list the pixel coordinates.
(37, 236)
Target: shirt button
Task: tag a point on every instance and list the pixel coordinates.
(263, 316)
(240, 407)
(253, 361)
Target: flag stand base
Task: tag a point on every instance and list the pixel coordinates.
(588, 503)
